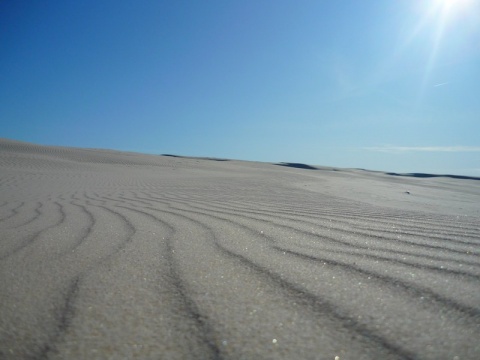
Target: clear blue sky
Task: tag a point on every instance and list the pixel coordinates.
(386, 85)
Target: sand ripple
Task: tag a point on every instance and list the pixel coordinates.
(114, 255)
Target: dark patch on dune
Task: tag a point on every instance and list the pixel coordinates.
(426, 176)
(297, 166)
(195, 158)
(170, 155)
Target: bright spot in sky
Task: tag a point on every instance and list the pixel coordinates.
(448, 7)
(445, 17)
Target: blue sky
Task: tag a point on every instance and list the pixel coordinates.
(384, 85)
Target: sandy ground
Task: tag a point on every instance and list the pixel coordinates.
(112, 255)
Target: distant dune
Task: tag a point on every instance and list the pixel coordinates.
(108, 254)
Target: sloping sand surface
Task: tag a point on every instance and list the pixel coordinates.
(112, 255)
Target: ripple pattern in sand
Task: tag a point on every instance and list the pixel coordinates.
(186, 259)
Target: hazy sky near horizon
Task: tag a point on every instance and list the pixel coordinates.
(388, 85)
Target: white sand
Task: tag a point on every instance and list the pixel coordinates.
(106, 254)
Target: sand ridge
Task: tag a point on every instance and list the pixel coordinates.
(105, 254)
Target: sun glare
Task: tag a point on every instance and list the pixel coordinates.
(442, 14)
(451, 6)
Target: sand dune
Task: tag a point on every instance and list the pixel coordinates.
(107, 254)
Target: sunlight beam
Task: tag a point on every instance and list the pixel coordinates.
(444, 11)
